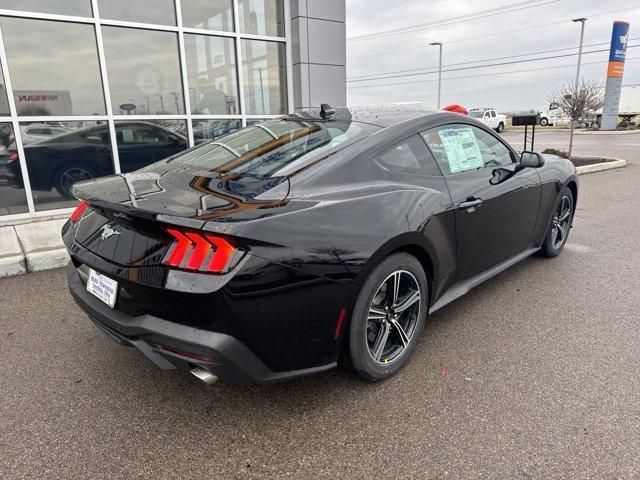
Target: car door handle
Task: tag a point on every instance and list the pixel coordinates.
(470, 204)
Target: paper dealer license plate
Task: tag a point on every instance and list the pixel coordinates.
(102, 287)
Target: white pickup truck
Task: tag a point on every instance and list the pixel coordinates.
(629, 107)
(489, 117)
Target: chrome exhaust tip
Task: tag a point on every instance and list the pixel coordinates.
(205, 375)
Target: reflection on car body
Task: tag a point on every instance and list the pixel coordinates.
(60, 161)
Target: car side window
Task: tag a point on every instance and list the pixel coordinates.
(138, 134)
(493, 114)
(409, 156)
(461, 148)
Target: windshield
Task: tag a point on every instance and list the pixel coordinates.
(273, 148)
(476, 114)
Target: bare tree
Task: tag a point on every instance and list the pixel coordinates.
(578, 101)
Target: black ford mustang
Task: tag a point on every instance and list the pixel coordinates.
(289, 245)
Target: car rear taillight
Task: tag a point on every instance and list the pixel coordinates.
(80, 209)
(12, 156)
(202, 252)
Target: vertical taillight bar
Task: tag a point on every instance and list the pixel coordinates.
(80, 209)
(196, 251)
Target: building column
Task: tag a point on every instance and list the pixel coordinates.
(319, 50)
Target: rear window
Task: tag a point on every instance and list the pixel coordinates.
(273, 148)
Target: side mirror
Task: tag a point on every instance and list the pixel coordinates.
(531, 159)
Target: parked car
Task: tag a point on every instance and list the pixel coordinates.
(285, 247)
(60, 161)
(489, 117)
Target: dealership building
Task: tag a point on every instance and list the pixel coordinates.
(95, 87)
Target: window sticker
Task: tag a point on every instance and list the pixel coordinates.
(461, 147)
(127, 135)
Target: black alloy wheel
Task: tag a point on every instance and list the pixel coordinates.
(387, 318)
(561, 222)
(70, 175)
(393, 316)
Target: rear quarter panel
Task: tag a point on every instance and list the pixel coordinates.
(343, 229)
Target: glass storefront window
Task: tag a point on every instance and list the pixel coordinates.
(53, 66)
(13, 198)
(55, 71)
(144, 71)
(160, 12)
(143, 142)
(261, 17)
(208, 14)
(4, 102)
(58, 154)
(78, 8)
(265, 87)
(207, 130)
(212, 75)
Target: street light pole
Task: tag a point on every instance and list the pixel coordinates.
(577, 84)
(439, 44)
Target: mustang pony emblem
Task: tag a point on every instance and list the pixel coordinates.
(108, 232)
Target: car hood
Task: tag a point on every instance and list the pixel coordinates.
(181, 195)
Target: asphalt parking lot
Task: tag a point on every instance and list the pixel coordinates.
(532, 375)
(617, 146)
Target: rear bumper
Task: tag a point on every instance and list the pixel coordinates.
(172, 346)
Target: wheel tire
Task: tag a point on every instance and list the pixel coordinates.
(500, 128)
(552, 245)
(544, 122)
(359, 355)
(61, 179)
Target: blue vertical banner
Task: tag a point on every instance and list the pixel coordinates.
(615, 71)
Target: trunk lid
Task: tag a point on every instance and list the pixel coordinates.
(128, 214)
(185, 196)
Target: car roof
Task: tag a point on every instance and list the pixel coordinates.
(383, 116)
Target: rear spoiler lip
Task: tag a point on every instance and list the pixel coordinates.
(186, 222)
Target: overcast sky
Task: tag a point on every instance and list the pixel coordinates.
(504, 35)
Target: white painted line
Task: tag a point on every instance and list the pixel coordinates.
(577, 247)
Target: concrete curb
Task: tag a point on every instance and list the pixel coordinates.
(33, 262)
(31, 247)
(12, 266)
(600, 167)
(613, 132)
(47, 260)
